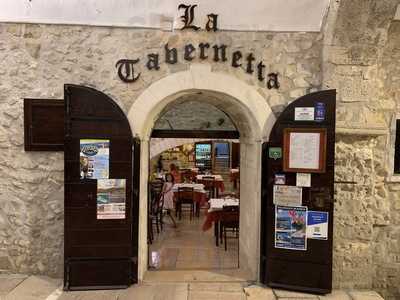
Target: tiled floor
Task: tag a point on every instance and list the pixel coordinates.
(188, 247)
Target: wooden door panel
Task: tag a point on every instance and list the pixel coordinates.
(119, 250)
(100, 273)
(99, 253)
(310, 269)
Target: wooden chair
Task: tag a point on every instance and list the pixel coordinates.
(230, 223)
(185, 196)
(155, 208)
(209, 185)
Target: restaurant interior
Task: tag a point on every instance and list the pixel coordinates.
(193, 204)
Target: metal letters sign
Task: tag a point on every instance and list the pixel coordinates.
(203, 51)
(188, 18)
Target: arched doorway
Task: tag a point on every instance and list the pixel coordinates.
(254, 119)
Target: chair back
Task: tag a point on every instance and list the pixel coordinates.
(156, 197)
(230, 213)
(185, 194)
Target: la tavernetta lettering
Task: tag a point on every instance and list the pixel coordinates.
(204, 51)
(126, 67)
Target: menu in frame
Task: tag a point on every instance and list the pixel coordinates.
(304, 150)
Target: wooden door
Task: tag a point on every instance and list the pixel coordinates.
(98, 253)
(309, 269)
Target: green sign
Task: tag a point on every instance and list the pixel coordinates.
(275, 152)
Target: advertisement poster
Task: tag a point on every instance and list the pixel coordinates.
(94, 159)
(111, 198)
(287, 195)
(290, 227)
(317, 225)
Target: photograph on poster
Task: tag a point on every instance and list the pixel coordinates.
(94, 159)
(287, 195)
(111, 198)
(317, 225)
(304, 150)
(291, 227)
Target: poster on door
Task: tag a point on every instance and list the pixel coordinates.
(111, 198)
(94, 159)
(291, 227)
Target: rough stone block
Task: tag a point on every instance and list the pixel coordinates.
(255, 292)
(365, 295)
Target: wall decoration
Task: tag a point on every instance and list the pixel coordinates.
(303, 179)
(304, 150)
(94, 158)
(290, 227)
(111, 198)
(317, 225)
(304, 113)
(287, 195)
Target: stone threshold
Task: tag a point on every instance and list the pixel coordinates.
(22, 287)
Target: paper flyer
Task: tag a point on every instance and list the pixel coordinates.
(94, 159)
(317, 225)
(287, 195)
(111, 198)
(290, 227)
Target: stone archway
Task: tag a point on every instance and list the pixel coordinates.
(252, 116)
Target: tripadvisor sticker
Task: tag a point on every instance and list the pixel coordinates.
(275, 152)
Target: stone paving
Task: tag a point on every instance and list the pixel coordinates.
(21, 287)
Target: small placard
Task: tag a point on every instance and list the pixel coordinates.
(287, 195)
(317, 225)
(275, 152)
(280, 179)
(320, 111)
(303, 179)
(304, 113)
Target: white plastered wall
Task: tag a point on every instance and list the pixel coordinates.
(254, 119)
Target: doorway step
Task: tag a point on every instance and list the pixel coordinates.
(229, 275)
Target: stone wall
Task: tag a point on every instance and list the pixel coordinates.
(36, 60)
(357, 53)
(362, 60)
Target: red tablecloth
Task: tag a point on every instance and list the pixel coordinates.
(234, 176)
(219, 184)
(217, 216)
(198, 197)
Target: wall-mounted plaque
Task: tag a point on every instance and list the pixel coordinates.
(304, 150)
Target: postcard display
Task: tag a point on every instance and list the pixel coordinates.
(297, 201)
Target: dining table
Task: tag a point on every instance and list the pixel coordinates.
(215, 214)
(218, 181)
(234, 176)
(199, 193)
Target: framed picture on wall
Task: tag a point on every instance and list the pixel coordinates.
(304, 150)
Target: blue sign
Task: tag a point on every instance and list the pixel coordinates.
(319, 112)
(317, 225)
